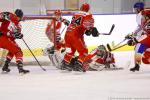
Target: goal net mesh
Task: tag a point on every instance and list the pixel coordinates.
(33, 29)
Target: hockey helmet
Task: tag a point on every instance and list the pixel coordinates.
(85, 7)
(57, 12)
(139, 5)
(19, 13)
(101, 48)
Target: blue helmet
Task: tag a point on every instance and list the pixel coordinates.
(139, 5)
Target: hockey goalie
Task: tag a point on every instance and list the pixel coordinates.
(101, 59)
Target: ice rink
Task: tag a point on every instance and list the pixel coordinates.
(92, 85)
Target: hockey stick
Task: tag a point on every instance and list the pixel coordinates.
(112, 49)
(33, 55)
(109, 33)
(63, 30)
(114, 46)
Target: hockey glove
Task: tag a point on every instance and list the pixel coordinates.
(18, 35)
(66, 22)
(88, 32)
(5, 15)
(132, 42)
(58, 38)
(129, 36)
(63, 50)
(94, 32)
(51, 50)
(1, 34)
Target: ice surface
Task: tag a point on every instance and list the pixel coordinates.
(92, 85)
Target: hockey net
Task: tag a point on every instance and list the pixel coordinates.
(33, 29)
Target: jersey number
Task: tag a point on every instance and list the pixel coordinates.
(76, 21)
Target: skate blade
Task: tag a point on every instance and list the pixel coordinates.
(21, 73)
(134, 70)
(65, 71)
(113, 69)
(4, 72)
(78, 72)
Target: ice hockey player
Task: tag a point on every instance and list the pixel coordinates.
(101, 57)
(82, 23)
(139, 47)
(143, 39)
(50, 30)
(9, 31)
(55, 52)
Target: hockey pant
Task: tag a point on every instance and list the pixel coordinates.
(12, 47)
(76, 44)
(146, 56)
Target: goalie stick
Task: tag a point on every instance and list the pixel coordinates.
(114, 46)
(112, 49)
(109, 33)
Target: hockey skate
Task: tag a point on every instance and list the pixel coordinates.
(65, 66)
(20, 68)
(5, 67)
(107, 66)
(136, 68)
(78, 67)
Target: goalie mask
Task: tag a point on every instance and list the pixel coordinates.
(101, 50)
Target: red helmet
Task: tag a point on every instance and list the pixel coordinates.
(146, 12)
(57, 12)
(85, 7)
